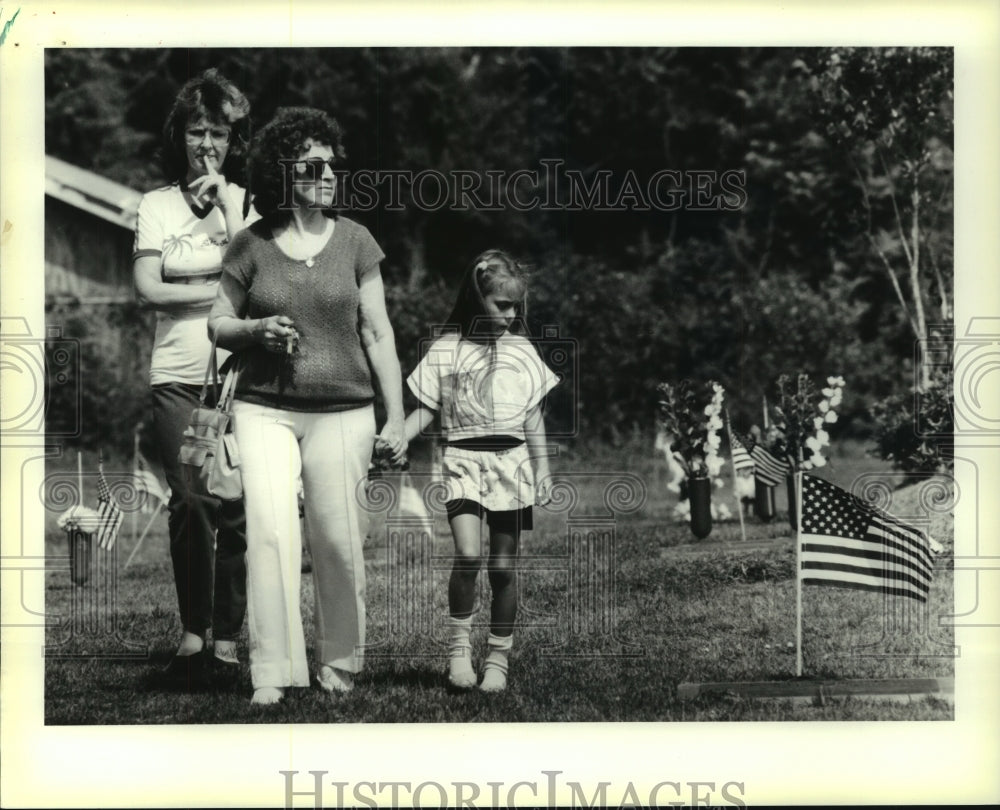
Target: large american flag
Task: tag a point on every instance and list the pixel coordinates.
(109, 514)
(850, 544)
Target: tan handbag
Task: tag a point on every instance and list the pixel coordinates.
(209, 455)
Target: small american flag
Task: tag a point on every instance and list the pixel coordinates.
(147, 484)
(741, 458)
(109, 513)
(848, 543)
(768, 468)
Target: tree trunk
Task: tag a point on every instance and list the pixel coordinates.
(916, 294)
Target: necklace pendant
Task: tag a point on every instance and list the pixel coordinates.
(310, 262)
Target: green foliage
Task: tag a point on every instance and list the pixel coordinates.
(916, 431)
(788, 282)
(107, 394)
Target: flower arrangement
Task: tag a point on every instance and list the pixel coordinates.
(692, 414)
(798, 430)
(79, 518)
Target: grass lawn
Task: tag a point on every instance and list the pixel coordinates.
(619, 605)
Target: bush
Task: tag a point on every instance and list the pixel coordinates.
(915, 432)
(107, 394)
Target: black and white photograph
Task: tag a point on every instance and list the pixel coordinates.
(499, 406)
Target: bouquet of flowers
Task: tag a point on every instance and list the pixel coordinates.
(691, 413)
(79, 518)
(799, 419)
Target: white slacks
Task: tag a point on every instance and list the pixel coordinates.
(331, 452)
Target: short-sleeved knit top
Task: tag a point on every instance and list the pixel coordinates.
(329, 370)
(481, 390)
(190, 245)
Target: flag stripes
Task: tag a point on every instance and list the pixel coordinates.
(741, 458)
(109, 514)
(768, 469)
(850, 544)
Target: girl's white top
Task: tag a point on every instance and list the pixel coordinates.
(479, 389)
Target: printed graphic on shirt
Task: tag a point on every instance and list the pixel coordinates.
(482, 390)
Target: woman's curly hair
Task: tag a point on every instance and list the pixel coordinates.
(281, 142)
(214, 97)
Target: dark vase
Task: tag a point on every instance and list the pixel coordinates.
(763, 503)
(793, 518)
(79, 555)
(700, 497)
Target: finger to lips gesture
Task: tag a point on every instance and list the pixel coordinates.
(211, 185)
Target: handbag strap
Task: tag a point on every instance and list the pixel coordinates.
(225, 400)
(212, 372)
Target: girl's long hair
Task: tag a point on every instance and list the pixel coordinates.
(490, 271)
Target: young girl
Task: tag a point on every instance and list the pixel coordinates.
(485, 385)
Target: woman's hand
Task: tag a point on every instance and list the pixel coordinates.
(212, 186)
(393, 439)
(276, 334)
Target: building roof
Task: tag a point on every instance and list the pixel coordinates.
(91, 192)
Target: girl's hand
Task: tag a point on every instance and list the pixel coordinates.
(393, 440)
(276, 333)
(543, 488)
(212, 187)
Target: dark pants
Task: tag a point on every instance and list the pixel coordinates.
(209, 566)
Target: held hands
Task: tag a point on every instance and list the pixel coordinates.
(276, 334)
(391, 442)
(212, 187)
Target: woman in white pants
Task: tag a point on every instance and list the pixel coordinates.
(302, 304)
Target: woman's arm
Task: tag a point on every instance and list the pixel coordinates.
(538, 450)
(154, 293)
(227, 325)
(417, 422)
(380, 346)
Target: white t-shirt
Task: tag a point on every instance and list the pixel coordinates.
(479, 394)
(190, 250)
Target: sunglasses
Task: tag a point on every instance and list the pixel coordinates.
(313, 167)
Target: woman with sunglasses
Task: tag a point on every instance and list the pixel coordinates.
(181, 233)
(302, 301)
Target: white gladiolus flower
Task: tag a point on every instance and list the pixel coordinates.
(817, 460)
(823, 406)
(822, 437)
(831, 417)
(813, 444)
(713, 441)
(807, 465)
(817, 422)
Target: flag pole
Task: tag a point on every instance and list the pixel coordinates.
(79, 478)
(135, 481)
(798, 576)
(138, 543)
(736, 494)
(766, 423)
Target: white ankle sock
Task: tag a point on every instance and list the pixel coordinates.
(495, 665)
(226, 651)
(460, 671)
